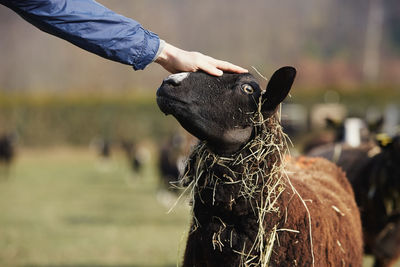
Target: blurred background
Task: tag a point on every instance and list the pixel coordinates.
(80, 184)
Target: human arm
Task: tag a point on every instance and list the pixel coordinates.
(93, 27)
(99, 30)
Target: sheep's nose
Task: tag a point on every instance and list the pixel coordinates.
(176, 79)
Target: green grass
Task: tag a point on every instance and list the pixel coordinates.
(64, 207)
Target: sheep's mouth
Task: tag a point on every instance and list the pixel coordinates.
(169, 104)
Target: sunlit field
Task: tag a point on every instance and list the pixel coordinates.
(66, 207)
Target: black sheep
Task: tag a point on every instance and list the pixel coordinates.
(135, 160)
(7, 150)
(173, 155)
(253, 206)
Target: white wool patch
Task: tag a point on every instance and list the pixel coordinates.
(178, 77)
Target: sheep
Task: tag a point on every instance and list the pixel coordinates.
(130, 149)
(374, 174)
(7, 151)
(173, 154)
(102, 146)
(335, 134)
(351, 131)
(252, 205)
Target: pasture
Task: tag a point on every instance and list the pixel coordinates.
(65, 207)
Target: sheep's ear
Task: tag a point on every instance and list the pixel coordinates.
(278, 88)
(333, 124)
(375, 126)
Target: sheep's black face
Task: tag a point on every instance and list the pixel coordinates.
(217, 109)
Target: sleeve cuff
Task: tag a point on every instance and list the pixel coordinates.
(160, 49)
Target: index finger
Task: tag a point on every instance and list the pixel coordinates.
(229, 67)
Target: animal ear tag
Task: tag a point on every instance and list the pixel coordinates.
(278, 88)
(383, 139)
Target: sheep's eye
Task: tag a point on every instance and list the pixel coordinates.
(247, 88)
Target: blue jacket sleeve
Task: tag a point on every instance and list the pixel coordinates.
(92, 27)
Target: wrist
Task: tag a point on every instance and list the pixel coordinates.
(165, 54)
(168, 53)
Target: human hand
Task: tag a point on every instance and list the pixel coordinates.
(177, 60)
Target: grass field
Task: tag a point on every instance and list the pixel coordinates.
(64, 207)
